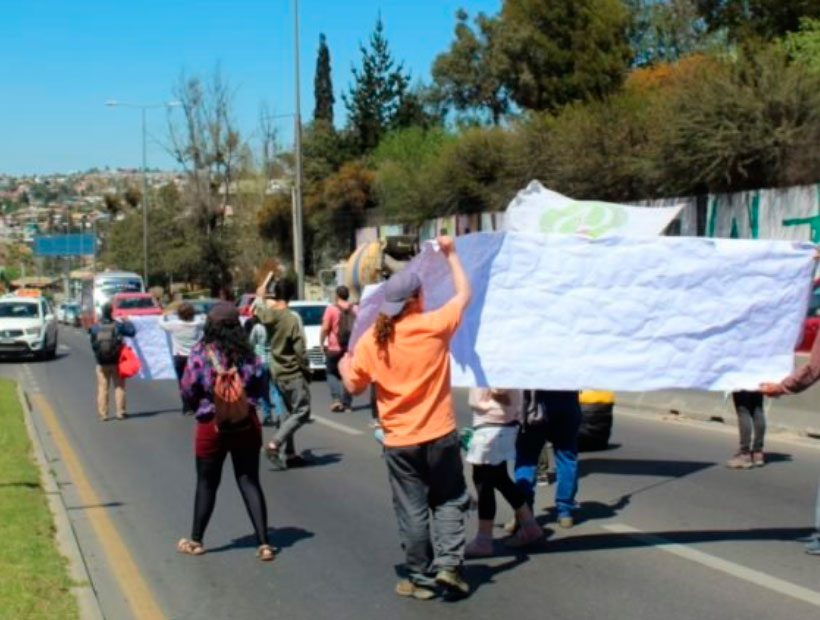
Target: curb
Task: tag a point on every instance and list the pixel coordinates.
(67, 543)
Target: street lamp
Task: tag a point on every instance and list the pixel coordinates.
(298, 238)
(113, 103)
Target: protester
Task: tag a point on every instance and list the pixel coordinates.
(337, 325)
(291, 371)
(185, 333)
(106, 342)
(553, 416)
(496, 416)
(259, 341)
(801, 379)
(750, 418)
(224, 346)
(406, 354)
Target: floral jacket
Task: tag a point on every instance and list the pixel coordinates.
(198, 380)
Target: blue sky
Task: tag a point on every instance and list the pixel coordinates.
(61, 60)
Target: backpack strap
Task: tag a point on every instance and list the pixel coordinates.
(209, 351)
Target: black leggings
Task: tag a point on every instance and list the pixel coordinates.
(488, 478)
(246, 469)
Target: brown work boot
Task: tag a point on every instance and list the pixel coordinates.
(741, 460)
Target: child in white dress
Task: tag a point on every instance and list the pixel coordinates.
(496, 417)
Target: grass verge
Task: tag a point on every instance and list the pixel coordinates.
(34, 582)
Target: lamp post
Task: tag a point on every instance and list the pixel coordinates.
(298, 237)
(143, 107)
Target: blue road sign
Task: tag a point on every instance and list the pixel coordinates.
(74, 244)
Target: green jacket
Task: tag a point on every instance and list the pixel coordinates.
(288, 350)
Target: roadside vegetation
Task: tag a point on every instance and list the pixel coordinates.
(34, 582)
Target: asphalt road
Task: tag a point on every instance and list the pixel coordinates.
(666, 531)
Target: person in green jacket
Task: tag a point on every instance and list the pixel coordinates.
(289, 368)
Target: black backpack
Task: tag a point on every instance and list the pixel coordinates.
(109, 343)
(346, 320)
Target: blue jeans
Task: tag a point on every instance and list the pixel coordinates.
(562, 419)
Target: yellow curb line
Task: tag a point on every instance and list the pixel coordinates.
(139, 597)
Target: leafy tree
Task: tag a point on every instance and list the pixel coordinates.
(739, 123)
(113, 203)
(468, 75)
(764, 18)
(132, 196)
(323, 85)
(667, 31)
(408, 185)
(477, 171)
(378, 90)
(553, 52)
(207, 146)
(804, 46)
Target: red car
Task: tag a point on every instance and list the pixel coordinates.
(812, 323)
(244, 303)
(134, 304)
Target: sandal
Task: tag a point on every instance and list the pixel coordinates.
(265, 553)
(190, 547)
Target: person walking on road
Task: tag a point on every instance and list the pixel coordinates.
(496, 417)
(185, 333)
(406, 354)
(290, 369)
(800, 380)
(224, 345)
(337, 325)
(106, 342)
(751, 420)
(553, 416)
(258, 338)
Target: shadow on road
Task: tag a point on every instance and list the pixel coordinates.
(595, 542)
(149, 414)
(281, 538)
(640, 467)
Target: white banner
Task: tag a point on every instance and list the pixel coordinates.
(537, 209)
(568, 312)
(153, 347)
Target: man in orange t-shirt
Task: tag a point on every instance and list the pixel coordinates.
(406, 354)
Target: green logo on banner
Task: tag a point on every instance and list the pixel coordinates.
(589, 218)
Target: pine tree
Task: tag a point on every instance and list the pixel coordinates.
(322, 84)
(378, 90)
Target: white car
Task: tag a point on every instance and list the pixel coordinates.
(27, 325)
(311, 313)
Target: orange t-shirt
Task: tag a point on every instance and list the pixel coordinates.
(412, 376)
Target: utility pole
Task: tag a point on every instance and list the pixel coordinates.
(144, 205)
(298, 235)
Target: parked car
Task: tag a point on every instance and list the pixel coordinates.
(244, 304)
(68, 313)
(27, 325)
(811, 324)
(311, 313)
(135, 304)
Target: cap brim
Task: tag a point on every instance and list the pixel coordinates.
(392, 308)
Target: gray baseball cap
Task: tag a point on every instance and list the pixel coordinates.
(398, 289)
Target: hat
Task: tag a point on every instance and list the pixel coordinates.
(399, 288)
(223, 311)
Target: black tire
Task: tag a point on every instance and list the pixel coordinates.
(596, 426)
(51, 353)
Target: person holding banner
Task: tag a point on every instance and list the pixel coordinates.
(801, 379)
(406, 354)
(185, 332)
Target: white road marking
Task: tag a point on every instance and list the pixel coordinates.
(730, 568)
(336, 425)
